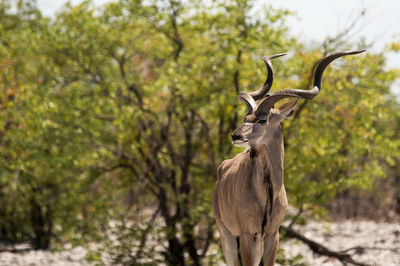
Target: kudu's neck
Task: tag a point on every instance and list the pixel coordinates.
(271, 154)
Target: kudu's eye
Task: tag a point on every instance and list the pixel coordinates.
(262, 121)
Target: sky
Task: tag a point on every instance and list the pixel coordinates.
(317, 19)
(314, 20)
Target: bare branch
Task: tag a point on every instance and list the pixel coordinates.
(209, 237)
(175, 37)
(210, 144)
(143, 238)
(294, 219)
(342, 37)
(320, 249)
(131, 87)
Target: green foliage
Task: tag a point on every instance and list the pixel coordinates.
(114, 119)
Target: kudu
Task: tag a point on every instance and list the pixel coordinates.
(249, 200)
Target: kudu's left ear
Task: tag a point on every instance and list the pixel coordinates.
(287, 109)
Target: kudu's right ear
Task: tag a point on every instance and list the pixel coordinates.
(287, 109)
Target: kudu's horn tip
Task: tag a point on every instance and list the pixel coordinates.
(354, 52)
(274, 56)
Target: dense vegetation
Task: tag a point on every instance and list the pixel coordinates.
(113, 121)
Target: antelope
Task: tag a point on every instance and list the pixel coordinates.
(249, 200)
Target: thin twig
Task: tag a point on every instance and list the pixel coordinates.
(294, 219)
(360, 248)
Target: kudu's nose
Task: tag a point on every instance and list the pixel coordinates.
(236, 137)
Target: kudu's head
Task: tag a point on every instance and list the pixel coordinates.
(262, 121)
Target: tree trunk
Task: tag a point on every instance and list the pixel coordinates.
(41, 223)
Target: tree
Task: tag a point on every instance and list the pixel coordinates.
(122, 113)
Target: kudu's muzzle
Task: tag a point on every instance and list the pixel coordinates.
(240, 135)
(236, 136)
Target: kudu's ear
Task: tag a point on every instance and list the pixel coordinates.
(287, 109)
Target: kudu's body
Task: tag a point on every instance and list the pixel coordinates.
(249, 200)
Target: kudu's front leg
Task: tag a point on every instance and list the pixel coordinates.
(229, 245)
(270, 247)
(251, 249)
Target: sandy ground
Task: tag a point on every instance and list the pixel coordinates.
(71, 257)
(380, 240)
